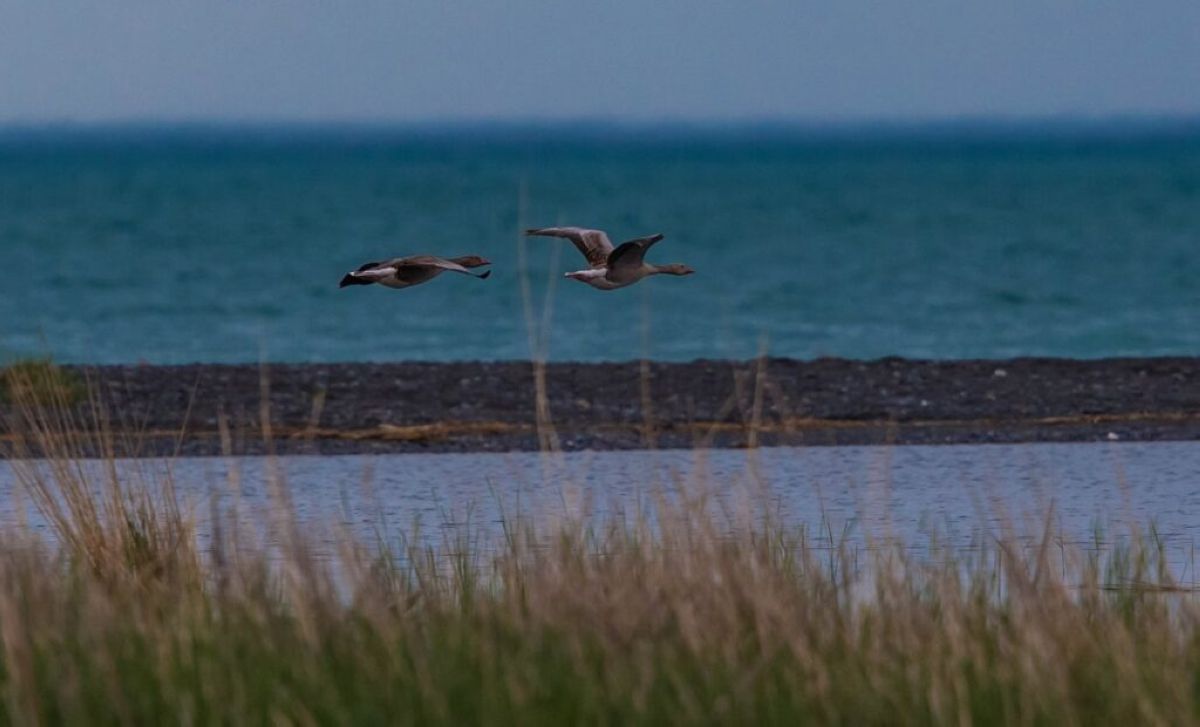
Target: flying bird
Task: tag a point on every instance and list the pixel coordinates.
(611, 268)
(405, 272)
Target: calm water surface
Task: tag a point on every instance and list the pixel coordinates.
(225, 247)
(959, 494)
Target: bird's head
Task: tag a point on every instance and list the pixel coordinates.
(676, 269)
(472, 261)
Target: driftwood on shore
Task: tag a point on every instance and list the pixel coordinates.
(476, 406)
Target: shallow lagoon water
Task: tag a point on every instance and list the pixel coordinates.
(961, 495)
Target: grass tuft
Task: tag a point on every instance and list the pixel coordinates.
(40, 382)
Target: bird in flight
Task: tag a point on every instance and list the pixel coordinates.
(610, 268)
(405, 272)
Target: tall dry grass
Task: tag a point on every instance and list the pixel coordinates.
(666, 618)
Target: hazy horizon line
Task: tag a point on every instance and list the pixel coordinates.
(591, 129)
(797, 122)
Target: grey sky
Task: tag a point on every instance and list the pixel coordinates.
(372, 60)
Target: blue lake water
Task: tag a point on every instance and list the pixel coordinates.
(963, 495)
(221, 246)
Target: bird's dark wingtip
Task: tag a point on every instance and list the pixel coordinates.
(484, 275)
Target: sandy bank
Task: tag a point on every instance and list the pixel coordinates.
(471, 406)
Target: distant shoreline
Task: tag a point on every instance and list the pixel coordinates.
(492, 406)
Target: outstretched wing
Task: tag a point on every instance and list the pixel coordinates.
(629, 255)
(594, 244)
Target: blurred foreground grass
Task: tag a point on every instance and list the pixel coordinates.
(124, 617)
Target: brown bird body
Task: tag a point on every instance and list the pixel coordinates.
(405, 272)
(611, 267)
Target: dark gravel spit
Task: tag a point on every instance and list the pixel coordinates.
(494, 406)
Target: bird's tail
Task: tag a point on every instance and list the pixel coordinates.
(353, 279)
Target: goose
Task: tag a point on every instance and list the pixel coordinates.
(611, 268)
(405, 272)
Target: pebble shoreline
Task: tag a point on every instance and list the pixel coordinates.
(494, 406)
